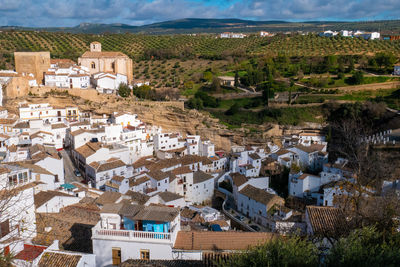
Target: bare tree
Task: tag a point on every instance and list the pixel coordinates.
(364, 202)
(17, 212)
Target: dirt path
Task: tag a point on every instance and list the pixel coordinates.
(371, 86)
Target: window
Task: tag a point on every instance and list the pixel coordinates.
(4, 228)
(145, 254)
(166, 181)
(159, 184)
(93, 65)
(20, 179)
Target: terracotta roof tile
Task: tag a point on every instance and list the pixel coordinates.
(199, 177)
(89, 149)
(220, 240)
(44, 196)
(326, 221)
(57, 259)
(169, 196)
(261, 196)
(138, 181)
(238, 179)
(89, 54)
(110, 164)
(108, 197)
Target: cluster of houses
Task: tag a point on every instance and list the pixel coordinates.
(138, 193)
(104, 71)
(234, 35)
(346, 33)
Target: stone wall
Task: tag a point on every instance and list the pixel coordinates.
(93, 95)
(17, 87)
(36, 63)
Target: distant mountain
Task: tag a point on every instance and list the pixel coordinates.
(194, 25)
(209, 23)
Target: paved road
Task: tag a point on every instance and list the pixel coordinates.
(69, 168)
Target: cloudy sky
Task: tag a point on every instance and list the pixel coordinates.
(138, 12)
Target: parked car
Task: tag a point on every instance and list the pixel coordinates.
(77, 173)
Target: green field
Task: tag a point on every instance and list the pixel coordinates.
(136, 45)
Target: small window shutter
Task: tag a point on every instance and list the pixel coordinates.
(4, 228)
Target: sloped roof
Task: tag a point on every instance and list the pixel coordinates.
(157, 213)
(32, 167)
(158, 175)
(111, 208)
(199, 177)
(181, 170)
(30, 252)
(326, 221)
(139, 181)
(311, 148)
(110, 164)
(108, 197)
(43, 196)
(260, 195)
(89, 149)
(190, 159)
(137, 197)
(282, 152)
(89, 54)
(142, 162)
(169, 196)
(58, 126)
(254, 156)
(191, 240)
(238, 179)
(57, 259)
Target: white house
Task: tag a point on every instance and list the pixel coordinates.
(125, 119)
(255, 203)
(71, 76)
(53, 201)
(18, 210)
(99, 172)
(134, 232)
(202, 189)
(232, 35)
(313, 156)
(47, 113)
(302, 183)
(108, 82)
(49, 159)
(264, 34)
(167, 198)
(117, 184)
(53, 256)
(167, 141)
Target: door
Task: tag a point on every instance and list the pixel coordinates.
(116, 256)
(139, 226)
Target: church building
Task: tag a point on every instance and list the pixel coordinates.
(98, 61)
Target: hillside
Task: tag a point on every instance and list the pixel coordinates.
(195, 25)
(139, 46)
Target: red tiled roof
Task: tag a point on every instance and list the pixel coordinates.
(220, 240)
(30, 252)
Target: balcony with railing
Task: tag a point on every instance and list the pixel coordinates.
(130, 235)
